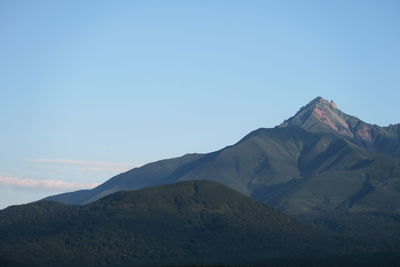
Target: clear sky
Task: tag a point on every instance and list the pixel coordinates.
(89, 89)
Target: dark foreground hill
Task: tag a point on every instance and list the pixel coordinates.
(195, 222)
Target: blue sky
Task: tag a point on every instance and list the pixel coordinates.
(89, 89)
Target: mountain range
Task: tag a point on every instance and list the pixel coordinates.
(320, 189)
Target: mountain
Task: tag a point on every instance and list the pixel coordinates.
(194, 222)
(319, 166)
(323, 116)
(306, 164)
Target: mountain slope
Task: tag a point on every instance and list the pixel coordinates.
(148, 175)
(191, 222)
(288, 168)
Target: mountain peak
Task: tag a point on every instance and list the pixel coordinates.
(321, 102)
(321, 115)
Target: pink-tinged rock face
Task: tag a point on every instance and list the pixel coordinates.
(323, 116)
(330, 118)
(365, 133)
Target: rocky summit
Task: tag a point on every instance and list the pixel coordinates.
(323, 116)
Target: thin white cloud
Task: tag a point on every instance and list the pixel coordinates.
(48, 184)
(90, 165)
